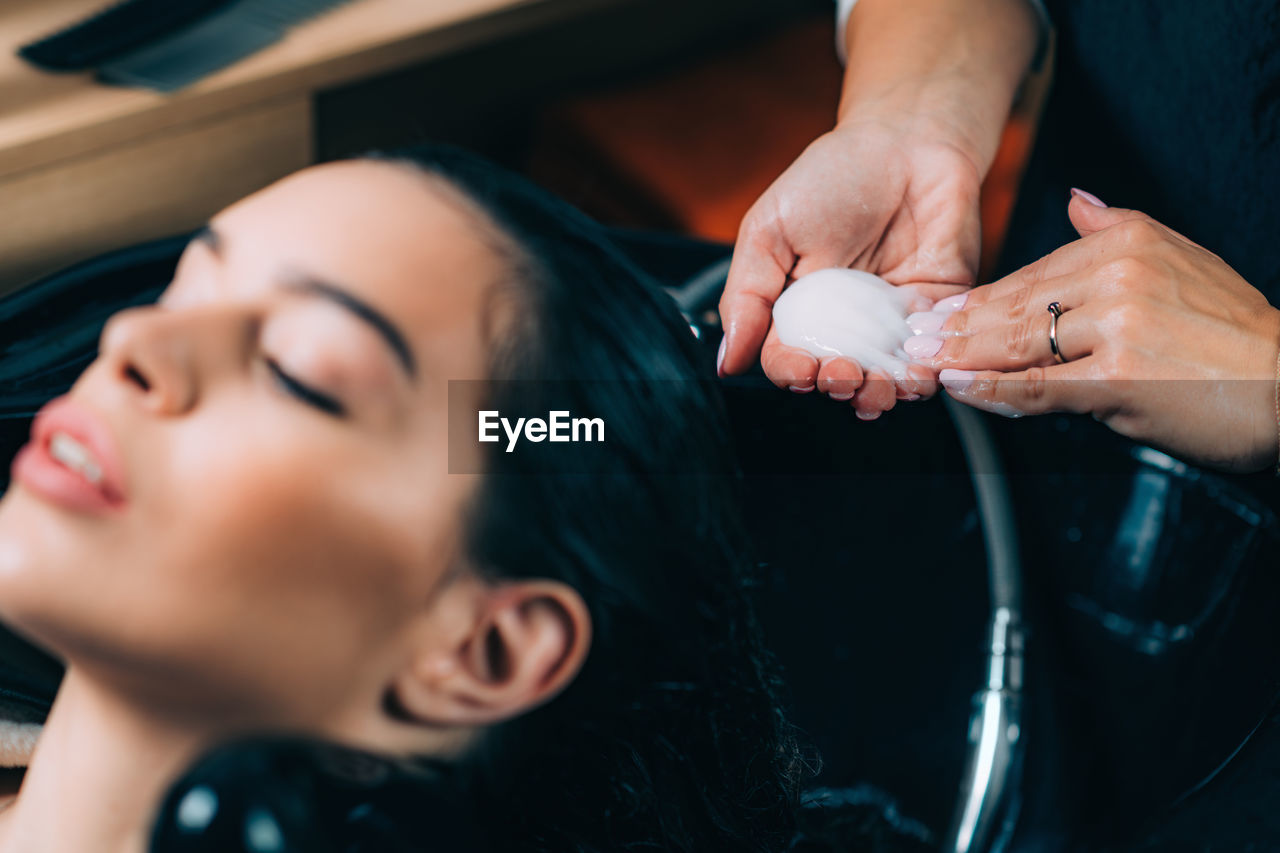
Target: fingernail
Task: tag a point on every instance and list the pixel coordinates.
(923, 346)
(841, 397)
(720, 356)
(911, 398)
(867, 416)
(800, 389)
(956, 380)
(1087, 196)
(926, 322)
(951, 303)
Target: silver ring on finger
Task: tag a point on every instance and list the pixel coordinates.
(1055, 309)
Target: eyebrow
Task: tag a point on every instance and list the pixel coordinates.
(298, 281)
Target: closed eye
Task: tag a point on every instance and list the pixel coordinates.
(308, 395)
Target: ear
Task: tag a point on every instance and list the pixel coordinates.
(520, 645)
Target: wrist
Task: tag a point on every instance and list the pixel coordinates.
(928, 113)
(958, 63)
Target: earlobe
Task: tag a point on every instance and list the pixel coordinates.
(524, 644)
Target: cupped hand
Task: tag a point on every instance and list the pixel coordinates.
(1163, 341)
(876, 195)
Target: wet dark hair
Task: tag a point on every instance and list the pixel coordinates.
(672, 736)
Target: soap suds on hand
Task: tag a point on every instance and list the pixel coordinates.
(849, 313)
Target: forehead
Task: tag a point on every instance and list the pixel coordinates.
(406, 242)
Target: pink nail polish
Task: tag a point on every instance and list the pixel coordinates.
(956, 380)
(720, 356)
(841, 397)
(926, 322)
(923, 346)
(800, 389)
(1087, 196)
(951, 303)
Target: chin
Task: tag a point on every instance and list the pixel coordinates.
(20, 539)
(41, 563)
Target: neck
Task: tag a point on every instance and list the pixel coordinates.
(97, 775)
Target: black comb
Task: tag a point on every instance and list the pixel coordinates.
(115, 31)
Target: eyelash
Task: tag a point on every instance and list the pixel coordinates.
(307, 395)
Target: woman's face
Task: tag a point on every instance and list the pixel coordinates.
(272, 542)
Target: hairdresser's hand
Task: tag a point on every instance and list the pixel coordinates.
(880, 194)
(1164, 342)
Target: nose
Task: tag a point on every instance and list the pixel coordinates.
(163, 359)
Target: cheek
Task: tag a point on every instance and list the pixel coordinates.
(308, 560)
(263, 562)
(291, 538)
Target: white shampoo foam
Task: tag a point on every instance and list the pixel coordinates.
(846, 312)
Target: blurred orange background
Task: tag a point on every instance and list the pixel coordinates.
(692, 150)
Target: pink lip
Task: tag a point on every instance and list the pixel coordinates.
(36, 469)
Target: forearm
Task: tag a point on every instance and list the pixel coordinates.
(956, 64)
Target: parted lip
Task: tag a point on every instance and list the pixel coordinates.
(63, 414)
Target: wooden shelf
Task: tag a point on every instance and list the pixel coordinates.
(86, 167)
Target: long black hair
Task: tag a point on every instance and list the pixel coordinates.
(672, 736)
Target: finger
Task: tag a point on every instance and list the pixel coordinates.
(921, 383)
(788, 367)
(1090, 215)
(1069, 291)
(876, 396)
(1071, 387)
(923, 296)
(757, 274)
(839, 377)
(1102, 230)
(1072, 258)
(1012, 346)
